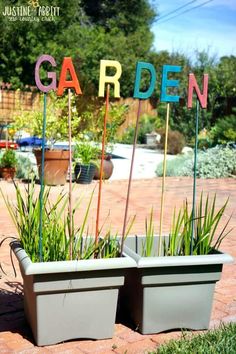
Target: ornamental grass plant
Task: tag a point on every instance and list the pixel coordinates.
(192, 232)
(56, 239)
(196, 232)
(147, 246)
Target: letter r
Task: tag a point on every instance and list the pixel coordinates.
(109, 79)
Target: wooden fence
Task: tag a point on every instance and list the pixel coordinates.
(131, 116)
(12, 102)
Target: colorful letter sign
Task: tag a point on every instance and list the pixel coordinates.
(69, 79)
(109, 79)
(50, 75)
(137, 93)
(68, 68)
(192, 84)
(169, 83)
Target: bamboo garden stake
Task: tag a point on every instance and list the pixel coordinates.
(194, 176)
(68, 69)
(164, 178)
(42, 179)
(101, 165)
(130, 177)
(165, 97)
(141, 96)
(202, 98)
(103, 80)
(166, 84)
(70, 173)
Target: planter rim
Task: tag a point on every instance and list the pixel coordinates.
(49, 149)
(172, 261)
(30, 268)
(7, 168)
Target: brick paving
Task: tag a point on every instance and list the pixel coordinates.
(15, 334)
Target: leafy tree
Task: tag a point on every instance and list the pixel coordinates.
(21, 42)
(57, 119)
(89, 31)
(221, 90)
(85, 30)
(225, 75)
(126, 16)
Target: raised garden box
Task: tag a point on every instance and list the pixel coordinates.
(164, 293)
(71, 299)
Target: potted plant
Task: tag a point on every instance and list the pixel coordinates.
(8, 163)
(92, 122)
(175, 288)
(71, 289)
(56, 160)
(56, 165)
(86, 159)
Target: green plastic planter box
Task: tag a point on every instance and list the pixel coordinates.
(71, 299)
(165, 293)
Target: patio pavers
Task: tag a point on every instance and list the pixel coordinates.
(15, 334)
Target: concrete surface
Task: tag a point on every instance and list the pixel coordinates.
(145, 161)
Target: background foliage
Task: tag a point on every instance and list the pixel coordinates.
(218, 162)
(85, 30)
(57, 119)
(92, 30)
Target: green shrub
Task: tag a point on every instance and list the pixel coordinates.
(8, 159)
(92, 112)
(224, 130)
(25, 169)
(128, 136)
(204, 143)
(57, 119)
(147, 124)
(175, 166)
(218, 162)
(86, 153)
(176, 141)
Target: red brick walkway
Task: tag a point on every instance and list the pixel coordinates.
(15, 335)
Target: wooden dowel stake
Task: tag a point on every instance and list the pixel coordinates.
(101, 165)
(163, 179)
(130, 177)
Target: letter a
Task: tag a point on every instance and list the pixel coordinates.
(67, 66)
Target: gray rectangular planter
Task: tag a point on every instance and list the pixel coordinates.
(71, 299)
(165, 293)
